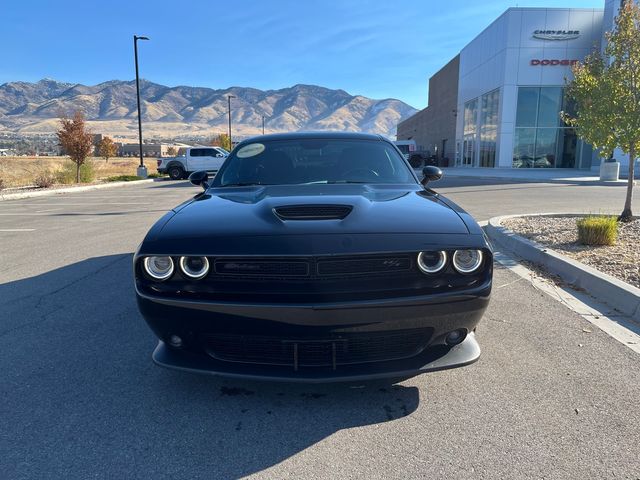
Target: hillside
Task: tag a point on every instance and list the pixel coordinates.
(110, 108)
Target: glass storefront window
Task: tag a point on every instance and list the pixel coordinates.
(527, 109)
(488, 128)
(480, 130)
(542, 139)
(545, 154)
(468, 150)
(524, 147)
(488, 149)
(470, 117)
(549, 107)
(489, 116)
(567, 148)
(470, 129)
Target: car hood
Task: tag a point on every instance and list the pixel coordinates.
(249, 211)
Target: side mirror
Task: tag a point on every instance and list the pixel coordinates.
(200, 178)
(430, 174)
(219, 155)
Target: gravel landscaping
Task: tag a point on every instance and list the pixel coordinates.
(559, 232)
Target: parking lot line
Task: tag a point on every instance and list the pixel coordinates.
(14, 214)
(81, 204)
(17, 229)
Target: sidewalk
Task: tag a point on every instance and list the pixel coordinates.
(527, 174)
(44, 192)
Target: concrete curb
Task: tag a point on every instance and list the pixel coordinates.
(55, 191)
(615, 293)
(470, 175)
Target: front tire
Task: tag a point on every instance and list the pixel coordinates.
(176, 172)
(416, 161)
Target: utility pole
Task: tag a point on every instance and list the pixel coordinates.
(142, 170)
(229, 97)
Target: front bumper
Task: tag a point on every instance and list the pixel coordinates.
(430, 360)
(437, 314)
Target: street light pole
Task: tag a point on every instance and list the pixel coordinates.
(142, 171)
(229, 97)
(263, 124)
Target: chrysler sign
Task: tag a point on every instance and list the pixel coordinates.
(556, 34)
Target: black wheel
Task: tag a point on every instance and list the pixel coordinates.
(176, 172)
(415, 161)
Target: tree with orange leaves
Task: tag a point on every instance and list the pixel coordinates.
(76, 140)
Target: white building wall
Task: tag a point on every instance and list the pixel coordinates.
(500, 57)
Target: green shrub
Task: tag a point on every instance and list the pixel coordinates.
(156, 175)
(68, 173)
(1, 184)
(123, 178)
(597, 230)
(44, 179)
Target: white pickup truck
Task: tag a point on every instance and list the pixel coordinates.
(194, 159)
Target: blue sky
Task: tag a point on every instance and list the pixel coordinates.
(379, 49)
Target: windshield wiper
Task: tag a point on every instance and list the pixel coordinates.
(331, 182)
(243, 184)
(346, 181)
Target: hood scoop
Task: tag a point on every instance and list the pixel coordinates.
(313, 212)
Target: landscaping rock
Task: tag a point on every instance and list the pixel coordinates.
(560, 233)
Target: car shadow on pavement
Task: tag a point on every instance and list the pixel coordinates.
(81, 397)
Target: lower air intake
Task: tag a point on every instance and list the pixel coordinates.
(346, 349)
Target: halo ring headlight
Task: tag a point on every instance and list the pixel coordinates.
(432, 262)
(158, 268)
(467, 261)
(194, 267)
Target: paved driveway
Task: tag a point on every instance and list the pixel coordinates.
(487, 197)
(552, 397)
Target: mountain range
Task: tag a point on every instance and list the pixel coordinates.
(110, 108)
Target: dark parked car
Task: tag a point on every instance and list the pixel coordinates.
(315, 257)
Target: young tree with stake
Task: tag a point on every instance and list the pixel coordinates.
(107, 148)
(76, 140)
(606, 92)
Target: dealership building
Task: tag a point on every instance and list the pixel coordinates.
(510, 92)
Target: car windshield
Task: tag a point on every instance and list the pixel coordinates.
(309, 160)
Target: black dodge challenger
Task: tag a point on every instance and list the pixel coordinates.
(315, 257)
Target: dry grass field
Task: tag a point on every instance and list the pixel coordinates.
(22, 171)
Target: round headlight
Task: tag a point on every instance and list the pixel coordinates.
(432, 262)
(467, 261)
(159, 268)
(194, 267)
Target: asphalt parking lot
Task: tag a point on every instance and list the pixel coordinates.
(551, 397)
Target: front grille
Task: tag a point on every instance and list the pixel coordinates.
(313, 212)
(360, 266)
(345, 349)
(311, 267)
(261, 267)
